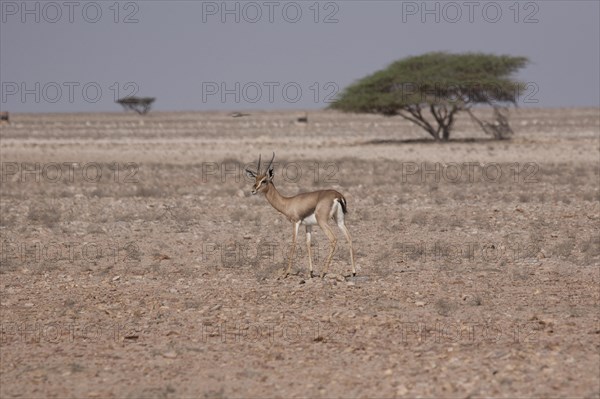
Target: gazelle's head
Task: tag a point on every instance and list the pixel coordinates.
(261, 180)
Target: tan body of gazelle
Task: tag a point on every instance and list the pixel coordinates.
(306, 209)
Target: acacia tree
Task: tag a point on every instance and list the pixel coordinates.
(141, 105)
(439, 84)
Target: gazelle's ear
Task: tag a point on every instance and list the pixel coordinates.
(270, 173)
(250, 173)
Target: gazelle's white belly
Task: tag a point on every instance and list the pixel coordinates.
(335, 212)
(310, 220)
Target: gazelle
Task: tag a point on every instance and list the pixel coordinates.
(306, 209)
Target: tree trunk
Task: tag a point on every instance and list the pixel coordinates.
(446, 133)
(435, 134)
(444, 119)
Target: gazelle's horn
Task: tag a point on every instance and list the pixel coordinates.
(270, 163)
(258, 167)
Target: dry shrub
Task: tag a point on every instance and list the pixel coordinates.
(591, 196)
(7, 219)
(419, 218)
(265, 270)
(142, 191)
(564, 249)
(8, 264)
(100, 192)
(44, 214)
(590, 247)
(237, 215)
(524, 197)
(444, 307)
(227, 190)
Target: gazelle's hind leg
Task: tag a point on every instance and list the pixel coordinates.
(310, 265)
(340, 222)
(332, 242)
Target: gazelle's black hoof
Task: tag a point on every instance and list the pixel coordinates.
(353, 274)
(311, 274)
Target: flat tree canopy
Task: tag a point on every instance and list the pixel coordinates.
(141, 105)
(440, 83)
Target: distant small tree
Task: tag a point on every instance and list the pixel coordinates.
(442, 84)
(141, 105)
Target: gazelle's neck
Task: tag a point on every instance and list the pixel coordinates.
(276, 200)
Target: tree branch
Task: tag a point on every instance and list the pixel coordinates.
(418, 119)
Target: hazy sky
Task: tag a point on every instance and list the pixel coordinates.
(191, 55)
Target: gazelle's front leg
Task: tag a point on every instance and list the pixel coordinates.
(292, 249)
(310, 265)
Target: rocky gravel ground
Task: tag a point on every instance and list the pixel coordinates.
(136, 264)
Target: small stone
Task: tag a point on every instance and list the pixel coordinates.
(358, 279)
(334, 276)
(116, 278)
(240, 193)
(388, 372)
(401, 390)
(28, 305)
(420, 303)
(170, 355)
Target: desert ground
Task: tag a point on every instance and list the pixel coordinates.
(136, 264)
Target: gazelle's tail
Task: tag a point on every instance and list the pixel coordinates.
(342, 202)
